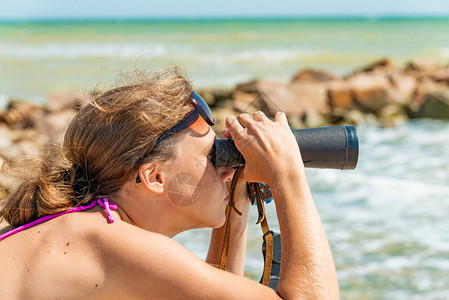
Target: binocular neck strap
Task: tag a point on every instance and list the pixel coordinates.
(225, 247)
(254, 189)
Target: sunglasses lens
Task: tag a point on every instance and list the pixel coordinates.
(202, 107)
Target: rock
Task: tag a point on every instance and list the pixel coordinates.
(7, 137)
(63, 100)
(384, 65)
(245, 107)
(420, 65)
(340, 94)
(245, 102)
(223, 95)
(220, 115)
(244, 97)
(299, 98)
(314, 76)
(20, 115)
(208, 95)
(435, 106)
(404, 87)
(441, 75)
(296, 121)
(53, 126)
(426, 87)
(340, 116)
(371, 91)
(392, 115)
(248, 87)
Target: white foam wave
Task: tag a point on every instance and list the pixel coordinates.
(75, 51)
(183, 52)
(444, 52)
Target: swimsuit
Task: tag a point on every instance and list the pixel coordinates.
(108, 206)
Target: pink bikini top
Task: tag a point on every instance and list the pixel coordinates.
(108, 206)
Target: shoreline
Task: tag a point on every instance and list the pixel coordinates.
(379, 93)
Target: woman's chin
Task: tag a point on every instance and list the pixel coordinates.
(219, 222)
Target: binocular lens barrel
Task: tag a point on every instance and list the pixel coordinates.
(335, 147)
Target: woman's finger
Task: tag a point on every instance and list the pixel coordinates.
(234, 127)
(260, 116)
(225, 134)
(281, 117)
(245, 119)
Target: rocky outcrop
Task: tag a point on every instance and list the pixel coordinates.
(378, 92)
(25, 128)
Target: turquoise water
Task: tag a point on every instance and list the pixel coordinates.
(37, 58)
(386, 221)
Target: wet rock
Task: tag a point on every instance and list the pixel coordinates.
(314, 76)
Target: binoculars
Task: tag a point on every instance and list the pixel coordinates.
(335, 147)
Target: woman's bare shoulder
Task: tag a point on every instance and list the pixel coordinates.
(161, 267)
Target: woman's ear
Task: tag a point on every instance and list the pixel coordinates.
(151, 178)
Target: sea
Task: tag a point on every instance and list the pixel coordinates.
(386, 221)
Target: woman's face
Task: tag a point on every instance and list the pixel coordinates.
(194, 186)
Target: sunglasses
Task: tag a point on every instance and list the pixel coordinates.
(200, 109)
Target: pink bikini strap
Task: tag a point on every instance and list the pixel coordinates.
(108, 206)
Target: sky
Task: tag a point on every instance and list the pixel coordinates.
(94, 9)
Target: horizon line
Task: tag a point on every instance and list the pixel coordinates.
(111, 19)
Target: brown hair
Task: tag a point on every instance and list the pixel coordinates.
(103, 146)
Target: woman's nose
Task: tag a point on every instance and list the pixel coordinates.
(226, 174)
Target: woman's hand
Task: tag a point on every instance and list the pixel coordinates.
(269, 147)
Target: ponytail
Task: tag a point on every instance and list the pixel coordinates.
(46, 188)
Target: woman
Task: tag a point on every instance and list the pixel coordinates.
(142, 150)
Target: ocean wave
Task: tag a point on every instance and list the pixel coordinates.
(79, 51)
(184, 53)
(444, 52)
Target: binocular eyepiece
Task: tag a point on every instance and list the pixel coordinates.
(335, 147)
